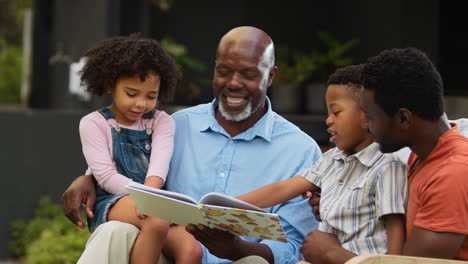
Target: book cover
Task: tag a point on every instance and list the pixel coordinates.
(215, 210)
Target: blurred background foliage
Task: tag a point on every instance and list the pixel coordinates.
(297, 66)
(11, 20)
(187, 88)
(49, 237)
(10, 72)
(11, 30)
(180, 54)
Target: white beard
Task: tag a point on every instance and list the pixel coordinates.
(246, 112)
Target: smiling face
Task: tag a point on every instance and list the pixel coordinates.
(243, 71)
(382, 127)
(346, 122)
(133, 98)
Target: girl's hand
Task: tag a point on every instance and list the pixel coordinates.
(139, 214)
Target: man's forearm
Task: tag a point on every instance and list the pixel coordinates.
(81, 190)
(323, 248)
(338, 256)
(426, 243)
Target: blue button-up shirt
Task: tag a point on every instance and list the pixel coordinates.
(207, 159)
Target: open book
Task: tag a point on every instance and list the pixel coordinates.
(215, 210)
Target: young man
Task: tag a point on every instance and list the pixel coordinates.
(403, 103)
(233, 145)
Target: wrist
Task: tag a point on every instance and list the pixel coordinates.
(243, 248)
(154, 181)
(337, 254)
(240, 249)
(236, 252)
(89, 178)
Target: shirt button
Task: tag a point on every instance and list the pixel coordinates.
(231, 141)
(221, 174)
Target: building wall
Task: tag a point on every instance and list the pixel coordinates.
(40, 155)
(456, 106)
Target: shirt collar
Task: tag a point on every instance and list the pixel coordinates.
(436, 152)
(367, 156)
(263, 128)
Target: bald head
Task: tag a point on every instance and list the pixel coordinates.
(244, 70)
(251, 40)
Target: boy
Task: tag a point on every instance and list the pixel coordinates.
(359, 185)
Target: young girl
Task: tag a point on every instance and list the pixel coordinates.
(129, 140)
(363, 191)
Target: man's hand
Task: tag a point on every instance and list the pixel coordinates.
(228, 246)
(81, 190)
(324, 248)
(219, 243)
(314, 202)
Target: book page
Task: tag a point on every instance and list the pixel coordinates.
(245, 222)
(174, 195)
(167, 208)
(227, 201)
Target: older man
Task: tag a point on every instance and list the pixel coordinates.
(233, 145)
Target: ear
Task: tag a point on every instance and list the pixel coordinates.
(405, 118)
(364, 123)
(271, 75)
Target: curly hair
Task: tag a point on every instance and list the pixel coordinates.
(349, 76)
(116, 57)
(405, 78)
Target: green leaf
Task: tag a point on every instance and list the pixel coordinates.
(180, 54)
(10, 73)
(297, 67)
(49, 237)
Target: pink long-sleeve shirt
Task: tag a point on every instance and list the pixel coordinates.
(96, 140)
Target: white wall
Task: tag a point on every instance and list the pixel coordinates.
(456, 106)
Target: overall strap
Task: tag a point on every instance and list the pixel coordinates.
(106, 113)
(149, 115)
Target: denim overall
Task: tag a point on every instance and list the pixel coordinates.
(131, 151)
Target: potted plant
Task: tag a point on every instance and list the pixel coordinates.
(323, 64)
(187, 89)
(294, 68)
(304, 74)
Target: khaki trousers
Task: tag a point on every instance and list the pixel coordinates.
(112, 242)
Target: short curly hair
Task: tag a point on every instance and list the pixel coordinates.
(349, 76)
(405, 78)
(116, 57)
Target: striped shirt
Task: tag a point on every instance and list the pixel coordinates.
(356, 191)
